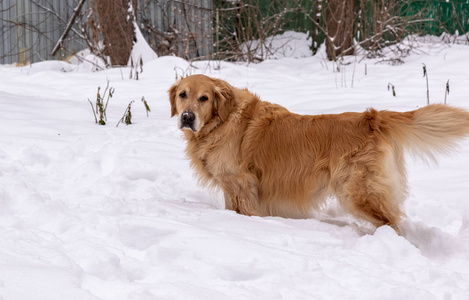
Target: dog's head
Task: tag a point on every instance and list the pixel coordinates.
(197, 99)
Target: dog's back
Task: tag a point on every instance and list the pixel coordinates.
(358, 157)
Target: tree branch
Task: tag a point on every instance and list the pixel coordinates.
(69, 26)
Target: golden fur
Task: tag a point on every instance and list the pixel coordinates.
(269, 161)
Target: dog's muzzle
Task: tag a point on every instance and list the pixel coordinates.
(188, 120)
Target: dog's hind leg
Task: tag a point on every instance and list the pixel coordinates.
(241, 194)
(370, 202)
(377, 208)
(374, 190)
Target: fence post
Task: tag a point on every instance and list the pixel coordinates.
(20, 32)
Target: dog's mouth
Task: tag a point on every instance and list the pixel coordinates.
(188, 127)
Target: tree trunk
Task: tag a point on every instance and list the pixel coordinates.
(339, 26)
(117, 28)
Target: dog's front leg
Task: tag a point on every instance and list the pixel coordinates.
(241, 194)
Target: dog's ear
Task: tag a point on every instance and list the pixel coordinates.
(224, 98)
(172, 98)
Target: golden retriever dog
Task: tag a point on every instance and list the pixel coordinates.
(271, 162)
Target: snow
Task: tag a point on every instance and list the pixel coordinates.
(106, 212)
(141, 49)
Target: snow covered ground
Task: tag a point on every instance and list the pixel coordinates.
(106, 212)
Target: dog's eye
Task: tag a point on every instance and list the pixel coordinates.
(203, 98)
(182, 95)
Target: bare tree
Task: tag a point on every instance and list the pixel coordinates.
(111, 23)
(369, 28)
(339, 27)
(244, 28)
(182, 27)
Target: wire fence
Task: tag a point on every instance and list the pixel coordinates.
(30, 29)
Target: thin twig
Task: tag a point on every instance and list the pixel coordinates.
(425, 74)
(94, 112)
(446, 90)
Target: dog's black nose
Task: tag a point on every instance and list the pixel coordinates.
(187, 118)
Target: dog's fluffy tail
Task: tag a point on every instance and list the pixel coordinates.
(427, 131)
